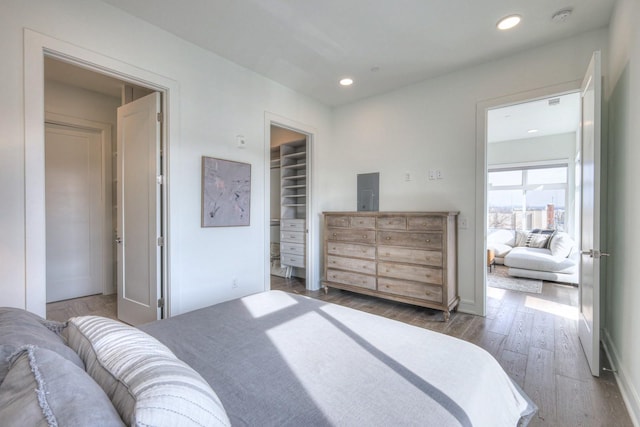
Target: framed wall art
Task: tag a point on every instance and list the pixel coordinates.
(226, 193)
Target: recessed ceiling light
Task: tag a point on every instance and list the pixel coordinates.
(346, 81)
(508, 22)
(532, 130)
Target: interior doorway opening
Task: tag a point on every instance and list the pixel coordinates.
(289, 205)
(533, 199)
(82, 185)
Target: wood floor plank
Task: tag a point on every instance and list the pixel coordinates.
(501, 324)
(574, 405)
(519, 338)
(515, 364)
(569, 356)
(540, 382)
(543, 331)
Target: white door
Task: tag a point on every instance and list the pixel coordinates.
(138, 198)
(74, 212)
(589, 318)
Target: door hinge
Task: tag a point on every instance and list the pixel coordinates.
(160, 241)
(159, 117)
(160, 302)
(160, 179)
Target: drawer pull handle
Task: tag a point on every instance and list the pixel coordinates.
(428, 240)
(388, 238)
(364, 236)
(335, 234)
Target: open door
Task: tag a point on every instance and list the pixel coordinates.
(139, 231)
(589, 290)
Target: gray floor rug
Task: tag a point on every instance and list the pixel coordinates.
(499, 278)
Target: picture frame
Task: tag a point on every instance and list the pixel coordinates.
(226, 193)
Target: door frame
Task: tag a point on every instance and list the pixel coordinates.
(36, 47)
(311, 279)
(104, 129)
(478, 304)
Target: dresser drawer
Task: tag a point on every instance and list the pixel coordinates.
(351, 235)
(353, 279)
(412, 256)
(425, 223)
(410, 272)
(351, 264)
(363, 222)
(409, 289)
(349, 249)
(337, 221)
(292, 225)
(411, 240)
(292, 248)
(292, 260)
(392, 222)
(292, 236)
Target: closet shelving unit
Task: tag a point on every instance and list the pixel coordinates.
(293, 204)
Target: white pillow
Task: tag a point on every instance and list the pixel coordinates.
(561, 245)
(147, 384)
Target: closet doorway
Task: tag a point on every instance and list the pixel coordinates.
(289, 182)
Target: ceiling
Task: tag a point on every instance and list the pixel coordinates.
(544, 117)
(383, 45)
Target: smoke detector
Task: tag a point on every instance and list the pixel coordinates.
(561, 15)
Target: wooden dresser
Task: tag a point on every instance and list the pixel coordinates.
(409, 257)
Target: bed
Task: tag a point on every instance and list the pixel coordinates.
(269, 359)
(279, 359)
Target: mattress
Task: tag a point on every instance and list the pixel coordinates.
(278, 359)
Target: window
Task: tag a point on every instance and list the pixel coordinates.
(525, 198)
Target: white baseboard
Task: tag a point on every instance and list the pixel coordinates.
(627, 389)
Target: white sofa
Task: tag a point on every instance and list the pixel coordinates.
(536, 254)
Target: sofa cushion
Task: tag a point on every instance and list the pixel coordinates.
(499, 249)
(43, 388)
(146, 382)
(531, 240)
(561, 245)
(539, 259)
(19, 328)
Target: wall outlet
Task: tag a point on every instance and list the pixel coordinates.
(241, 141)
(439, 174)
(407, 176)
(432, 174)
(234, 283)
(463, 223)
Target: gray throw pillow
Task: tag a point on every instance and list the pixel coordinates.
(19, 327)
(44, 389)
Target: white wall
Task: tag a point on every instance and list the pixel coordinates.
(217, 101)
(432, 125)
(550, 147)
(622, 292)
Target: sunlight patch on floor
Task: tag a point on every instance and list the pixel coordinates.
(551, 307)
(495, 293)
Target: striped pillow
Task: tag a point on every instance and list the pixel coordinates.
(146, 382)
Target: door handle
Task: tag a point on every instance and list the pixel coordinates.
(595, 253)
(118, 240)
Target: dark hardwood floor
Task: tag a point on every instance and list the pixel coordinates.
(533, 336)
